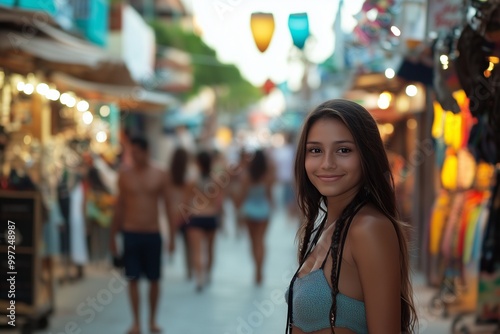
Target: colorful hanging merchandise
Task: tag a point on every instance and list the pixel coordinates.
(459, 213)
(488, 305)
(486, 318)
(464, 233)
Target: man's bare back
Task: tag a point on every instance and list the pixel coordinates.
(140, 192)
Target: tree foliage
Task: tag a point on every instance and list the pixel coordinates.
(234, 92)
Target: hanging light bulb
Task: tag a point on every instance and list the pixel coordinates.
(384, 100)
(87, 117)
(42, 88)
(53, 95)
(390, 73)
(395, 30)
(28, 89)
(20, 86)
(82, 106)
(444, 61)
(411, 90)
(101, 136)
(71, 102)
(65, 98)
(104, 111)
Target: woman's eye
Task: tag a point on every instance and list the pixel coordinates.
(314, 150)
(344, 150)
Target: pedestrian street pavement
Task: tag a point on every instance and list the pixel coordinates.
(231, 304)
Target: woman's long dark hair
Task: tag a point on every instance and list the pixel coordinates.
(258, 166)
(178, 166)
(377, 188)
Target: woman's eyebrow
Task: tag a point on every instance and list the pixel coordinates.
(335, 142)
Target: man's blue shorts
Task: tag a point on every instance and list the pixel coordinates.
(142, 255)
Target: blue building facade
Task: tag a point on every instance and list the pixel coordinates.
(90, 18)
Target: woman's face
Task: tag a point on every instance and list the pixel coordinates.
(332, 160)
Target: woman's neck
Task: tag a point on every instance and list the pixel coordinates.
(337, 204)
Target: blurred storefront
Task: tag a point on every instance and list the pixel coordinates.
(395, 104)
(38, 124)
(63, 102)
(437, 108)
(462, 249)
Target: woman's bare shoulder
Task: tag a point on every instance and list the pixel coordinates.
(371, 227)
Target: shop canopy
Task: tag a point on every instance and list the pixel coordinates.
(134, 98)
(44, 46)
(367, 87)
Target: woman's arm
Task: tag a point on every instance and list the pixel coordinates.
(169, 211)
(269, 186)
(375, 249)
(240, 195)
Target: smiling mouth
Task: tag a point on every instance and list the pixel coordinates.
(329, 178)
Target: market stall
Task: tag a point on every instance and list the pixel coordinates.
(47, 135)
(395, 108)
(463, 229)
(43, 129)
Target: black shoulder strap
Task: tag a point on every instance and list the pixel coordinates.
(289, 320)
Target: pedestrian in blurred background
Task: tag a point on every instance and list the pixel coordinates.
(284, 157)
(99, 203)
(354, 272)
(220, 173)
(179, 194)
(205, 204)
(237, 171)
(136, 216)
(255, 203)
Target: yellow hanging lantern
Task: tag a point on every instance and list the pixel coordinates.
(262, 26)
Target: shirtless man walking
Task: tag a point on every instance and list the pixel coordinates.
(136, 217)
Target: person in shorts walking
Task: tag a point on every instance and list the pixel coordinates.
(136, 216)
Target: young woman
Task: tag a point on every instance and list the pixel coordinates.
(179, 192)
(254, 203)
(206, 198)
(354, 269)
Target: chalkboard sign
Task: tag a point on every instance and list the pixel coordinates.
(22, 212)
(18, 209)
